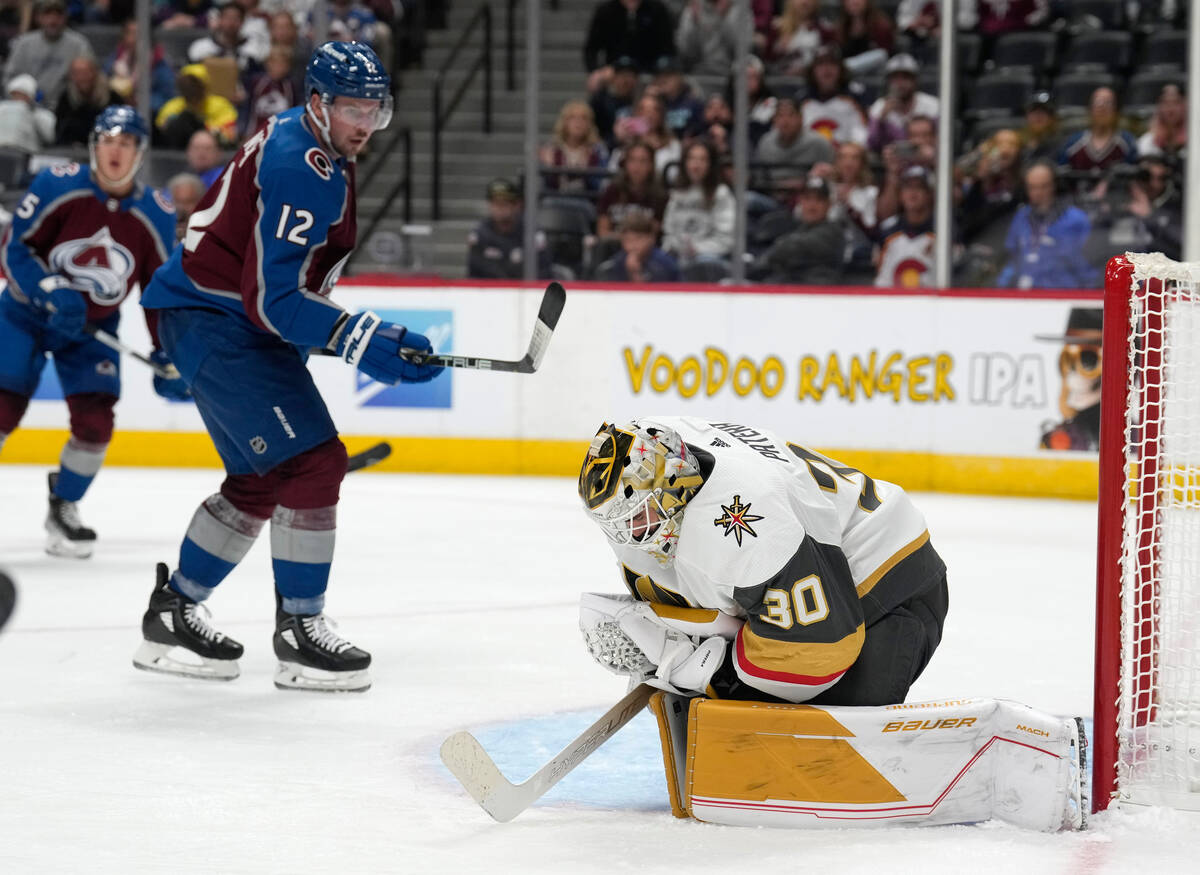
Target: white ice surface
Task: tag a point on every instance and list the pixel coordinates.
(464, 589)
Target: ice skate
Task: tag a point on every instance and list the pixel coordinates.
(179, 640)
(65, 534)
(314, 657)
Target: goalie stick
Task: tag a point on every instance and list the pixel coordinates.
(469, 762)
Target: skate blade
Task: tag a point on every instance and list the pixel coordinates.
(293, 676)
(157, 658)
(56, 546)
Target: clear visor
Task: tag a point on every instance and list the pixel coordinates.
(632, 521)
(373, 117)
(114, 137)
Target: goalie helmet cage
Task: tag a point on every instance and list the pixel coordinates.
(1147, 680)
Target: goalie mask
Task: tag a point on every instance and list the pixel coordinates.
(635, 482)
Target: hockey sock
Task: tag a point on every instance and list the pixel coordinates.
(216, 541)
(79, 463)
(301, 553)
(91, 430)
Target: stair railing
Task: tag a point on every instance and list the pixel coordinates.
(442, 113)
(405, 182)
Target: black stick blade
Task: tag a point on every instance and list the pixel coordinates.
(8, 598)
(368, 457)
(543, 329)
(552, 305)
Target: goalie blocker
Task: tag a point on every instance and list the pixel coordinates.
(925, 763)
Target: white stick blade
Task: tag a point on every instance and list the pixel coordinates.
(468, 761)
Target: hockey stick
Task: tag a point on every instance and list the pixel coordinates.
(368, 457)
(468, 761)
(547, 318)
(167, 373)
(8, 598)
(112, 342)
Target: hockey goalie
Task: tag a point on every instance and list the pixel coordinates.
(784, 603)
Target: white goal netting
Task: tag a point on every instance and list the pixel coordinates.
(1158, 709)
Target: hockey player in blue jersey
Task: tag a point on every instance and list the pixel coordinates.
(239, 304)
(80, 240)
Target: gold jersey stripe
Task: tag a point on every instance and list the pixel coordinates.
(896, 558)
(798, 662)
(687, 615)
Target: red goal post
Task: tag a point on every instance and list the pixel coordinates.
(1146, 747)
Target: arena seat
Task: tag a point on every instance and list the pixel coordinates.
(1001, 93)
(1112, 50)
(1035, 52)
(1164, 48)
(1144, 86)
(1109, 13)
(1073, 91)
(103, 38)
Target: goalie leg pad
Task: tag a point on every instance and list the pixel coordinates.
(671, 712)
(961, 761)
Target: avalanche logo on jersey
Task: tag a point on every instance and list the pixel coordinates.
(737, 519)
(103, 265)
(438, 326)
(320, 163)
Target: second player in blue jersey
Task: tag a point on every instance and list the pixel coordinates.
(82, 238)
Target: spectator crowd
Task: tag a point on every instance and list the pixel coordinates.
(217, 70)
(1070, 134)
(1071, 131)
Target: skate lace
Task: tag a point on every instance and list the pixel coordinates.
(68, 515)
(319, 630)
(198, 622)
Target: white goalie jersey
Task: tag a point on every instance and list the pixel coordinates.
(807, 551)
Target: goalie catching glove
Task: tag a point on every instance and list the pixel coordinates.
(375, 346)
(678, 653)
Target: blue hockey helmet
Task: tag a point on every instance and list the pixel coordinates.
(349, 69)
(120, 119)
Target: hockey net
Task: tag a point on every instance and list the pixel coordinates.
(1147, 694)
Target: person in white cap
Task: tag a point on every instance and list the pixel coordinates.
(900, 102)
(24, 124)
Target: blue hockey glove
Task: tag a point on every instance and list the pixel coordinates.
(173, 388)
(65, 309)
(373, 346)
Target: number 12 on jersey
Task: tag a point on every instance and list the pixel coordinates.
(304, 221)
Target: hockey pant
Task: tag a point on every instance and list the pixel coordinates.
(895, 651)
(89, 376)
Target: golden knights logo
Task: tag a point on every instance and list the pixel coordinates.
(737, 519)
(98, 264)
